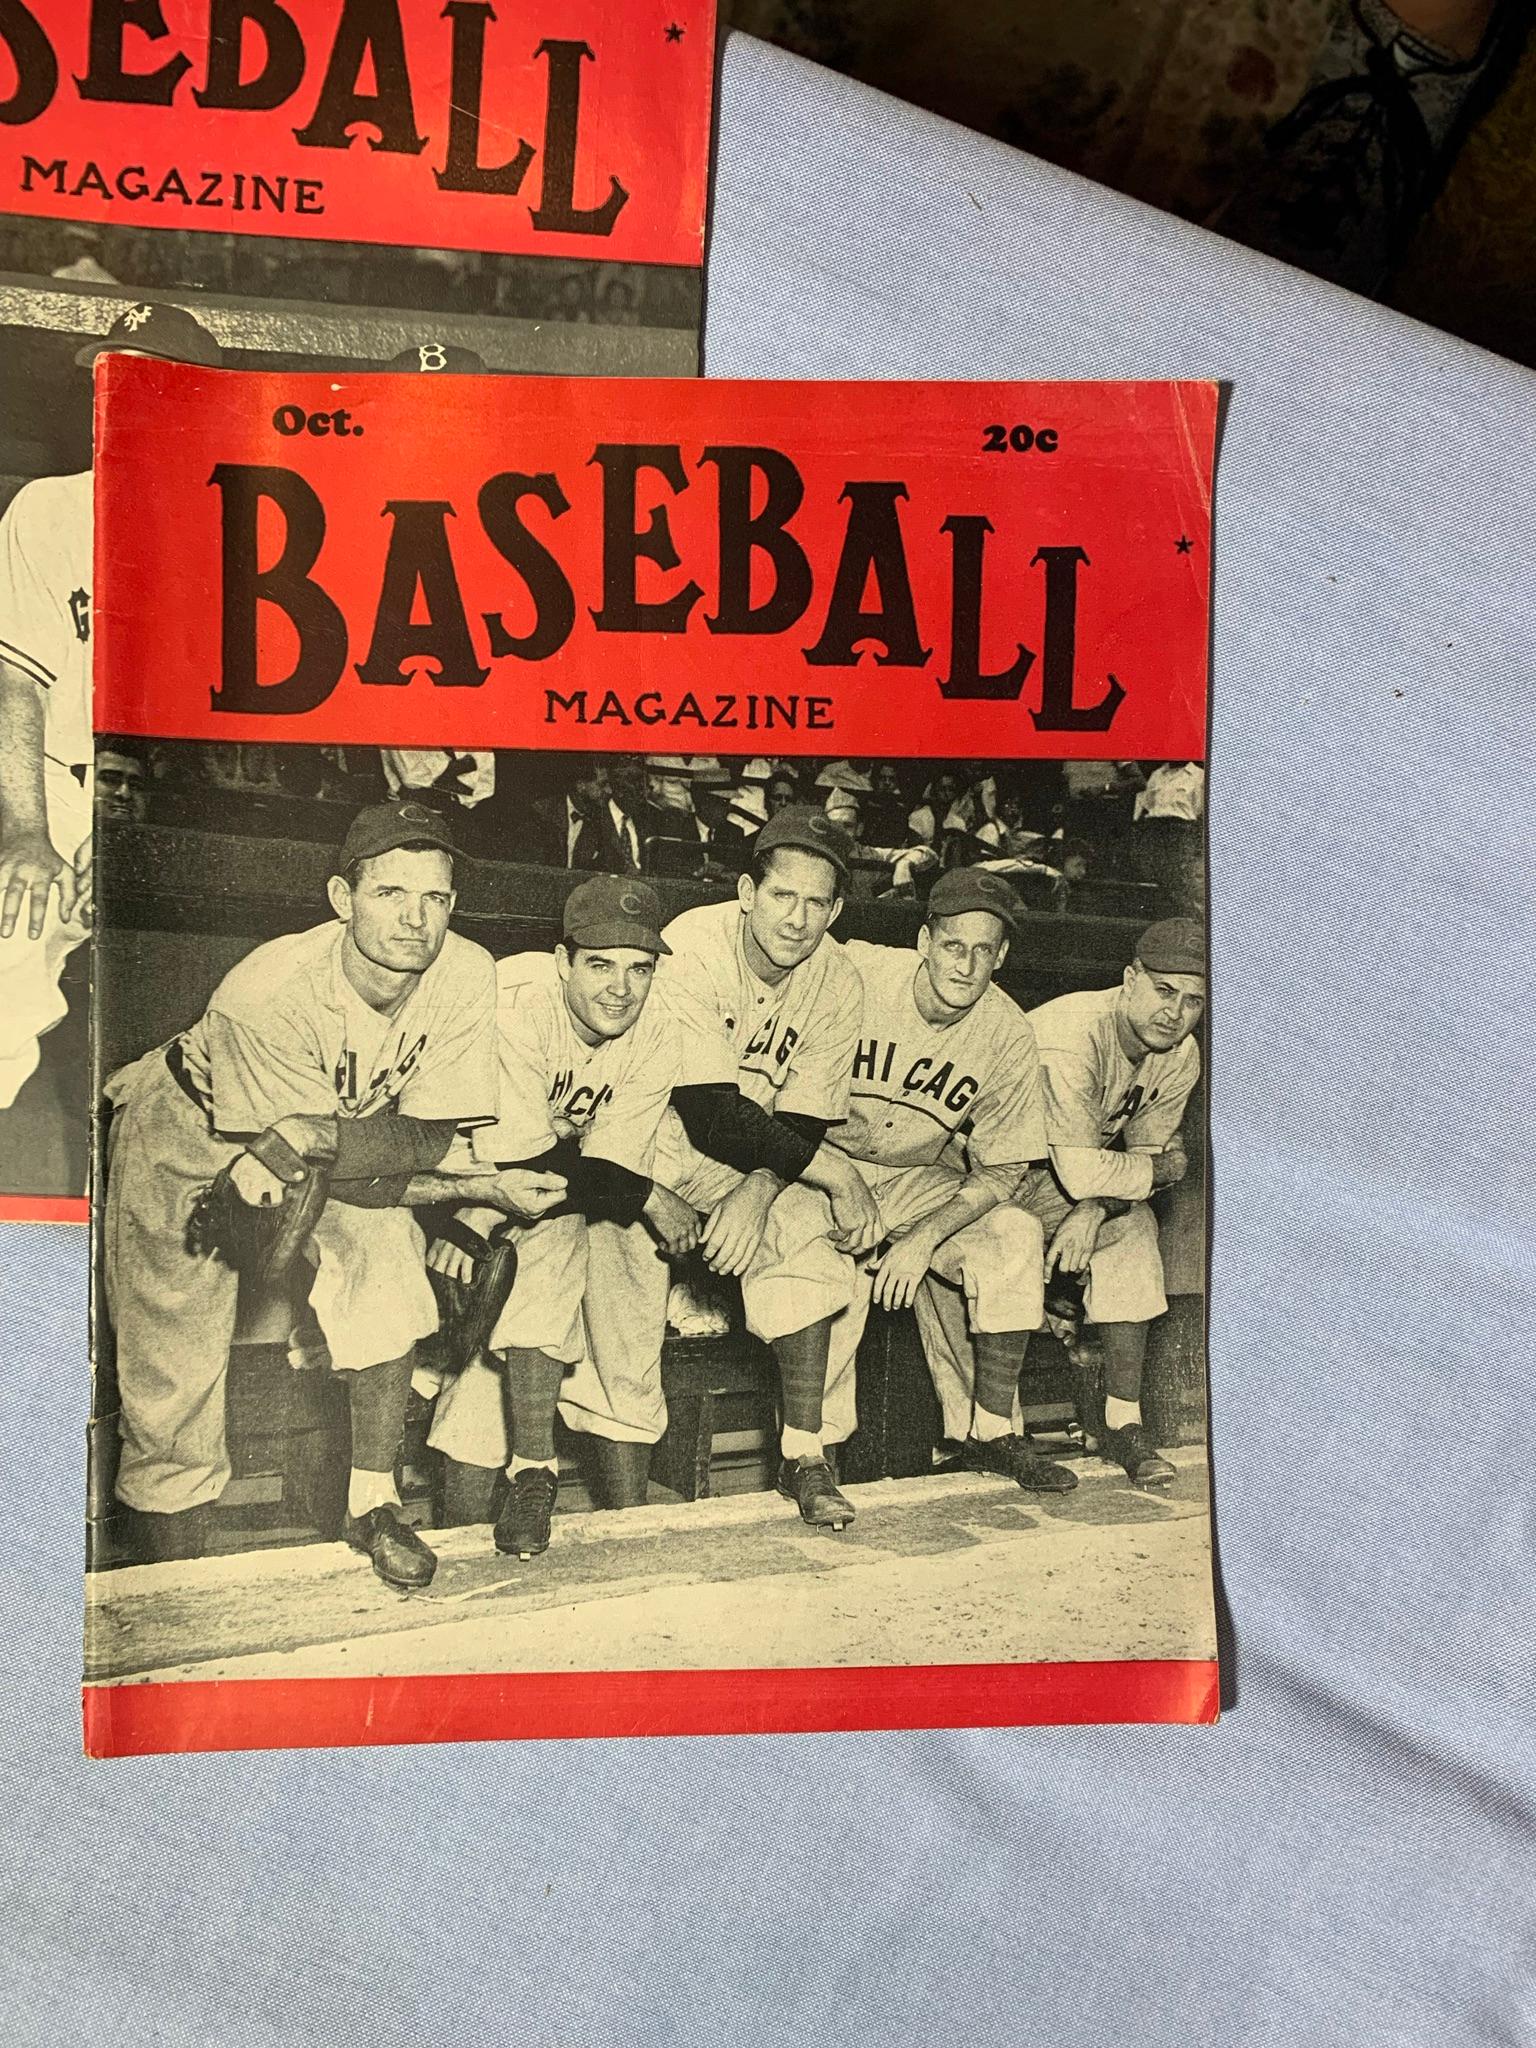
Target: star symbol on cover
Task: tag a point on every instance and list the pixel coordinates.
(1184, 544)
(674, 32)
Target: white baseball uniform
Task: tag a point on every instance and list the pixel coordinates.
(285, 1033)
(552, 1084)
(45, 635)
(789, 1048)
(1105, 1117)
(920, 1092)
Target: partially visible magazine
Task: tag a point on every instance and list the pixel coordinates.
(300, 185)
(693, 1221)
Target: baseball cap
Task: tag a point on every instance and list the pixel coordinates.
(961, 889)
(812, 831)
(438, 356)
(155, 330)
(614, 910)
(382, 827)
(1174, 946)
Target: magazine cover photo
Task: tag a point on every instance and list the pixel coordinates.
(592, 1237)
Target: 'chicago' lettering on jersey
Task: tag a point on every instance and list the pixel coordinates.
(385, 1084)
(874, 1062)
(576, 1105)
(1134, 1099)
(763, 1042)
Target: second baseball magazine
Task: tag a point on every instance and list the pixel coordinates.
(299, 184)
(693, 1221)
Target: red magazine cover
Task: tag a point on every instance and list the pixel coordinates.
(289, 186)
(693, 1221)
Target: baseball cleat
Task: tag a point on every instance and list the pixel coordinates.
(398, 1554)
(1130, 1449)
(808, 1482)
(522, 1527)
(1015, 1458)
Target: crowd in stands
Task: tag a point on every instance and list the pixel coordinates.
(1112, 837)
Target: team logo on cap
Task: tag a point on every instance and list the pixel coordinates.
(432, 355)
(416, 814)
(137, 317)
(632, 903)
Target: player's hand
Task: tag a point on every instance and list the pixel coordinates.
(255, 1183)
(735, 1226)
(1170, 1165)
(673, 1222)
(1072, 1247)
(899, 1270)
(85, 896)
(856, 1216)
(29, 869)
(451, 1260)
(521, 1192)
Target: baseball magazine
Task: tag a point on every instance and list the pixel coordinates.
(693, 1220)
(292, 185)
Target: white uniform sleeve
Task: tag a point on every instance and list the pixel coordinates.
(32, 614)
(821, 1064)
(456, 1076)
(1074, 1111)
(258, 1078)
(1008, 1117)
(524, 1125)
(1153, 1126)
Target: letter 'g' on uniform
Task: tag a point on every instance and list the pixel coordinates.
(312, 612)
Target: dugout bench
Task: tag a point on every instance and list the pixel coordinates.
(178, 905)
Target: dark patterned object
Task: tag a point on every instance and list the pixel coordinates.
(1351, 171)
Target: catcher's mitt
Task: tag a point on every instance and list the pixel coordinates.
(260, 1240)
(469, 1310)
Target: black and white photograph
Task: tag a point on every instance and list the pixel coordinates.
(606, 1212)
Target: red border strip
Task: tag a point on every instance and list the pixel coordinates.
(44, 1209)
(330, 1713)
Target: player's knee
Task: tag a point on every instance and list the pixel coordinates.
(1004, 1242)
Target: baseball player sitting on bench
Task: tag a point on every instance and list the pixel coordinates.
(363, 1046)
(587, 1064)
(945, 1114)
(1118, 1065)
(764, 1009)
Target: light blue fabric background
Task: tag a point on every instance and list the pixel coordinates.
(1349, 1858)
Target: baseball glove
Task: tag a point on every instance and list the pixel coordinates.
(261, 1240)
(469, 1310)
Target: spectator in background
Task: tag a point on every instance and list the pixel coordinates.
(782, 791)
(670, 816)
(121, 790)
(1174, 789)
(466, 779)
(1006, 843)
(746, 813)
(888, 805)
(1076, 866)
(1166, 836)
(584, 828)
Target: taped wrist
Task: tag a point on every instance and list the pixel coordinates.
(606, 1193)
(723, 1124)
(370, 1147)
(595, 1188)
